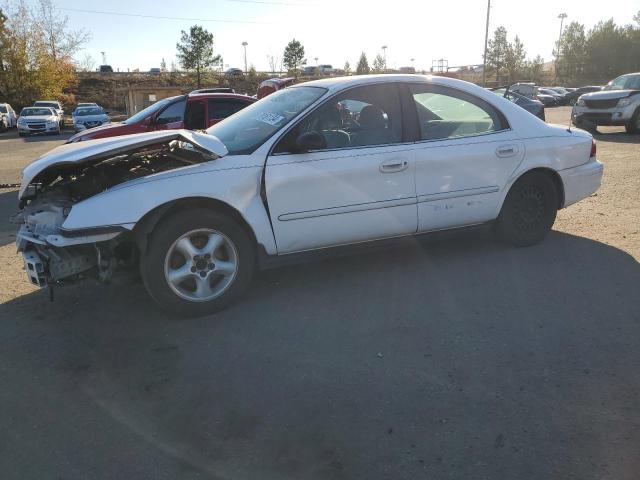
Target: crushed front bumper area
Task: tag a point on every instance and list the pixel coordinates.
(54, 259)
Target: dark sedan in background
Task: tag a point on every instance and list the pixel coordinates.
(535, 107)
(572, 97)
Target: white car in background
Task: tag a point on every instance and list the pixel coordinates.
(55, 106)
(322, 164)
(8, 117)
(89, 117)
(38, 120)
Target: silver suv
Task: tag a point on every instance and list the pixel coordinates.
(616, 104)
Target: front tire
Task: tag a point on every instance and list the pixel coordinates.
(529, 211)
(634, 125)
(197, 262)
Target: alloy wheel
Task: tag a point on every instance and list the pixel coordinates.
(201, 265)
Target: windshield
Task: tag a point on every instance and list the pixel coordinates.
(34, 112)
(246, 130)
(624, 82)
(46, 104)
(89, 111)
(142, 114)
(3, 109)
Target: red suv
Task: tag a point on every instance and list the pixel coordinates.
(196, 111)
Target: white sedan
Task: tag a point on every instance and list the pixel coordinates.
(322, 164)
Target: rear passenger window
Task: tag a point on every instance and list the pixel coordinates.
(224, 108)
(360, 117)
(446, 113)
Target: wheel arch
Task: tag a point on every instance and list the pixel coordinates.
(549, 172)
(146, 225)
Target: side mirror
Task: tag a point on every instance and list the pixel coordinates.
(310, 141)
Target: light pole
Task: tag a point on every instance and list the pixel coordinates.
(316, 59)
(562, 16)
(244, 44)
(486, 40)
(384, 50)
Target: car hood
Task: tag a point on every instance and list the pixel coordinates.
(84, 152)
(91, 118)
(38, 118)
(112, 126)
(608, 94)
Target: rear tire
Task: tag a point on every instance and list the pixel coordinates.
(215, 254)
(529, 211)
(634, 125)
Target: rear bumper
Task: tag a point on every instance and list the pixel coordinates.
(582, 181)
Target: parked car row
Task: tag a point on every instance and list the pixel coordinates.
(552, 96)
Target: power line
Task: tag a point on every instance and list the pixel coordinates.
(265, 2)
(159, 17)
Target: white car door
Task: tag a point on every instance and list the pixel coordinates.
(357, 184)
(464, 158)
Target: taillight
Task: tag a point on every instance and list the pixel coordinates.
(593, 148)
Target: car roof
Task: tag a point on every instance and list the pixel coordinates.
(220, 95)
(340, 83)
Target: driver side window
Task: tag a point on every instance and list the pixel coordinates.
(364, 116)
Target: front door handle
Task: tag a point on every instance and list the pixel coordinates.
(393, 166)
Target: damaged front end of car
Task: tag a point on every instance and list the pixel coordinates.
(71, 174)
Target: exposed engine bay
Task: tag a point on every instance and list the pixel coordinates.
(49, 256)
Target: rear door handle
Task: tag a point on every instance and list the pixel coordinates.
(506, 151)
(393, 166)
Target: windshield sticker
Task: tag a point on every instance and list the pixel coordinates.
(270, 118)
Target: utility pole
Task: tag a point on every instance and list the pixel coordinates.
(104, 58)
(244, 44)
(316, 59)
(486, 41)
(384, 50)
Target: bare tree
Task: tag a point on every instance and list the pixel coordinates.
(273, 63)
(60, 41)
(87, 63)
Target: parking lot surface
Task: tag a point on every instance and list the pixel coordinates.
(455, 357)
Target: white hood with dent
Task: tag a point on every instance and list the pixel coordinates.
(75, 153)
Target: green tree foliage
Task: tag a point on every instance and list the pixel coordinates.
(514, 59)
(573, 53)
(505, 58)
(347, 68)
(497, 52)
(363, 65)
(36, 53)
(195, 51)
(610, 51)
(533, 69)
(293, 57)
(379, 64)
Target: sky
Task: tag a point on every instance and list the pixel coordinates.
(334, 31)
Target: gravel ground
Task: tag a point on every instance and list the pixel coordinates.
(453, 358)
